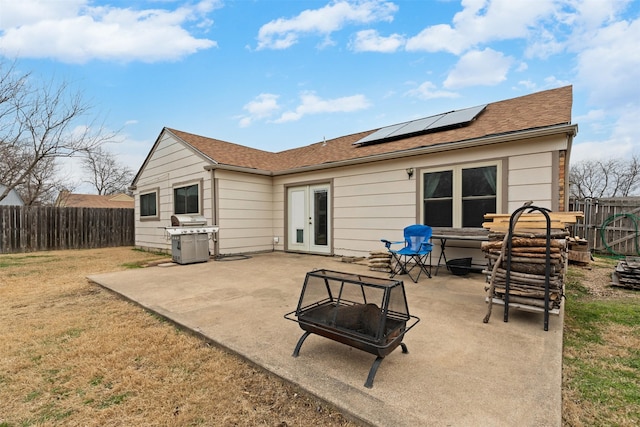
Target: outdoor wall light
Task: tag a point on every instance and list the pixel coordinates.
(409, 172)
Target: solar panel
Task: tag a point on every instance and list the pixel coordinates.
(457, 117)
(424, 125)
(415, 126)
(380, 133)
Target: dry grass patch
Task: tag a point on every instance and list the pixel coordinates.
(75, 354)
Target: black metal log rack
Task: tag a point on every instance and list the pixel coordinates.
(512, 222)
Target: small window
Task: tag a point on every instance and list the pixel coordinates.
(478, 194)
(438, 199)
(149, 205)
(186, 200)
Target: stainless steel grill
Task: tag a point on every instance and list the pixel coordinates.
(190, 238)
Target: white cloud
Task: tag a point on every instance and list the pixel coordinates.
(543, 45)
(553, 81)
(310, 103)
(28, 12)
(592, 13)
(528, 85)
(600, 150)
(74, 32)
(570, 27)
(479, 67)
(263, 106)
(371, 41)
(427, 90)
(482, 21)
(282, 33)
(245, 121)
(606, 61)
(439, 38)
(611, 74)
(592, 115)
(621, 143)
(596, 122)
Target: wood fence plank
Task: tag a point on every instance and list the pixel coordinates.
(37, 228)
(620, 215)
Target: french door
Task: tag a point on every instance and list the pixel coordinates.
(309, 222)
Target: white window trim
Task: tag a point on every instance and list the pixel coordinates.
(155, 217)
(457, 186)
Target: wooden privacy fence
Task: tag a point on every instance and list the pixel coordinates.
(610, 225)
(27, 229)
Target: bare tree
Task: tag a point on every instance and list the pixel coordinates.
(39, 123)
(629, 179)
(605, 178)
(586, 179)
(12, 91)
(106, 174)
(44, 184)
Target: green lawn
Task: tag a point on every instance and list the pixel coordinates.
(601, 384)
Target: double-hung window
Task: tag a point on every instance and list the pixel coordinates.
(460, 196)
(149, 205)
(186, 200)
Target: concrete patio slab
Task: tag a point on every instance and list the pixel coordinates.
(459, 371)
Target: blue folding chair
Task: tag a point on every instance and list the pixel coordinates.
(414, 253)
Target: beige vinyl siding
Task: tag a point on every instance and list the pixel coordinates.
(171, 164)
(530, 179)
(377, 200)
(278, 214)
(369, 201)
(374, 204)
(245, 212)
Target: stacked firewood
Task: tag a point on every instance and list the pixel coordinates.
(527, 274)
(579, 251)
(380, 261)
(627, 274)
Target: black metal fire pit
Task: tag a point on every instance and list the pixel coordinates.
(367, 313)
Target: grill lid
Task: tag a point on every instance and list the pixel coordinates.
(188, 220)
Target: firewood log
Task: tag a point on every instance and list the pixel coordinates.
(532, 234)
(525, 267)
(534, 302)
(533, 279)
(554, 261)
(529, 254)
(525, 242)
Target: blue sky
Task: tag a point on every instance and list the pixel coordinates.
(279, 74)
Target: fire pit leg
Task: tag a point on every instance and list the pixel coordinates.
(373, 371)
(304, 336)
(376, 365)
